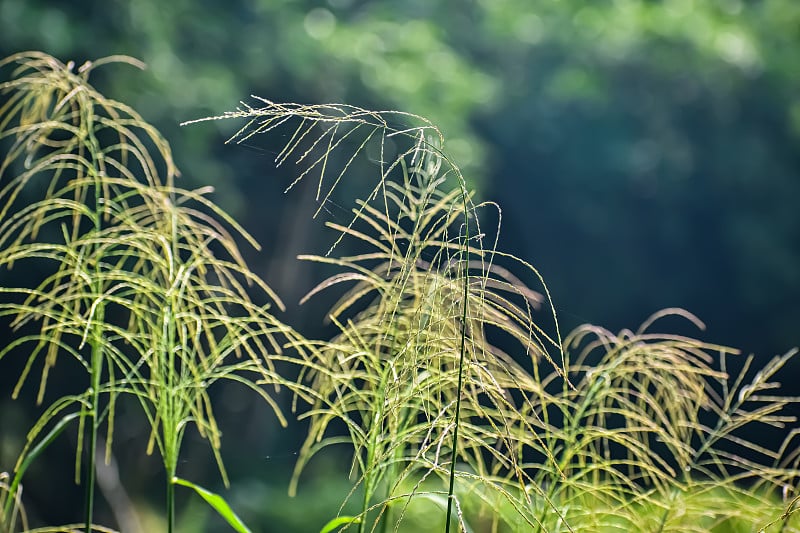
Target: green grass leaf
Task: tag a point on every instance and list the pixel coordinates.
(218, 503)
(30, 456)
(338, 522)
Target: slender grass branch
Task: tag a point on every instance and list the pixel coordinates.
(462, 355)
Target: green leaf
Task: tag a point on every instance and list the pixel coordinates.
(33, 454)
(338, 522)
(217, 502)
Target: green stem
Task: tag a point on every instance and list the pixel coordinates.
(170, 417)
(90, 478)
(457, 416)
(170, 503)
(97, 320)
(365, 502)
(97, 368)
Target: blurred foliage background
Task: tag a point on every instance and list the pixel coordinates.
(646, 154)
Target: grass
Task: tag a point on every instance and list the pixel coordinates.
(123, 241)
(448, 380)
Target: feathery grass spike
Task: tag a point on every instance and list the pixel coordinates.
(145, 286)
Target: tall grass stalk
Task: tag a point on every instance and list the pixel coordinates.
(411, 375)
(451, 486)
(612, 428)
(53, 119)
(148, 290)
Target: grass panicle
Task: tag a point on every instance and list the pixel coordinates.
(412, 374)
(448, 379)
(146, 288)
(441, 369)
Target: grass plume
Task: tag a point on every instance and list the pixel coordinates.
(147, 290)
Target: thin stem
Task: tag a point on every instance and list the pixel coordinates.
(365, 502)
(452, 484)
(171, 444)
(97, 369)
(98, 320)
(170, 503)
(169, 399)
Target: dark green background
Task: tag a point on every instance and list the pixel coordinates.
(646, 154)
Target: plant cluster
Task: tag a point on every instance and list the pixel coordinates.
(448, 379)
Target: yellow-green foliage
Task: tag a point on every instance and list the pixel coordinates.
(632, 431)
(461, 404)
(123, 241)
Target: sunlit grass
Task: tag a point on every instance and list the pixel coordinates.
(148, 290)
(448, 380)
(602, 431)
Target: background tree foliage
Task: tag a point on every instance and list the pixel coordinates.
(645, 153)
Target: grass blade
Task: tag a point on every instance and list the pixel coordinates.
(338, 522)
(217, 502)
(33, 454)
